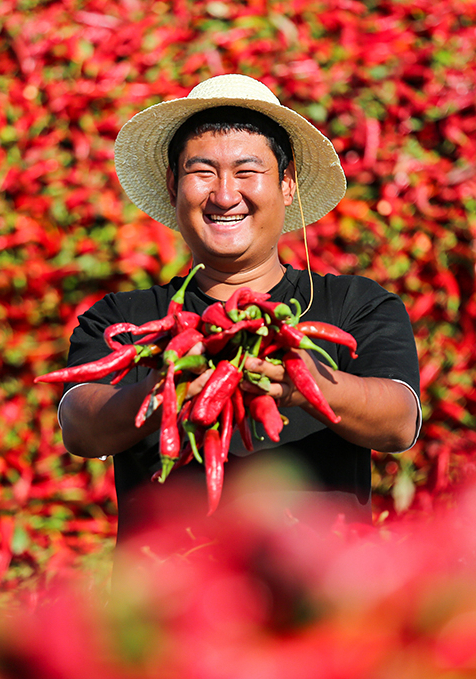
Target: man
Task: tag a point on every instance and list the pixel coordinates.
(219, 165)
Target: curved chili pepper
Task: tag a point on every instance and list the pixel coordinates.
(306, 384)
(241, 418)
(116, 329)
(220, 386)
(169, 438)
(117, 360)
(263, 408)
(214, 467)
(331, 333)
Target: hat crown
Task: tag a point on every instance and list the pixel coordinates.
(233, 86)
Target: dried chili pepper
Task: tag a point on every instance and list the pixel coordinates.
(331, 333)
(263, 408)
(214, 467)
(306, 384)
(117, 360)
(220, 386)
(169, 437)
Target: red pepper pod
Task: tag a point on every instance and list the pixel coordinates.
(215, 315)
(116, 329)
(215, 342)
(184, 320)
(182, 343)
(305, 383)
(244, 296)
(177, 301)
(263, 408)
(226, 428)
(214, 467)
(117, 360)
(329, 332)
(169, 437)
(241, 418)
(210, 401)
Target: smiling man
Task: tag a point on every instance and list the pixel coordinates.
(220, 166)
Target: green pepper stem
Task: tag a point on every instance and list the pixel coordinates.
(179, 296)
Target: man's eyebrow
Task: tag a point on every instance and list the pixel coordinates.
(208, 161)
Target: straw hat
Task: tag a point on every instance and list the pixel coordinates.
(142, 143)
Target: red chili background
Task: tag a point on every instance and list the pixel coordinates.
(391, 83)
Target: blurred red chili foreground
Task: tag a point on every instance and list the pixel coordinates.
(268, 587)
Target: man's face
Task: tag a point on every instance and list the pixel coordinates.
(229, 201)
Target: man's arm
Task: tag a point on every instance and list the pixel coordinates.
(375, 413)
(99, 419)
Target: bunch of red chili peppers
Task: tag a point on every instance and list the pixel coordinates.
(248, 324)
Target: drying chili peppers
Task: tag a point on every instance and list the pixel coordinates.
(248, 324)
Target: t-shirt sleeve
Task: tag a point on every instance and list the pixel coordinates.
(87, 342)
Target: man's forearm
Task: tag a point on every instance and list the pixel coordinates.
(99, 419)
(375, 412)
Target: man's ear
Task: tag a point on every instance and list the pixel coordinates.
(171, 187)
(288, 185)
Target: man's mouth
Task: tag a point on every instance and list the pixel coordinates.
(226, 219)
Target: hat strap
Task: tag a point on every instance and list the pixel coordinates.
(306, 248)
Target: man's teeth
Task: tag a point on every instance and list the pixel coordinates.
(224, 218)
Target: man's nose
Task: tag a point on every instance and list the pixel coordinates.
(225, 192)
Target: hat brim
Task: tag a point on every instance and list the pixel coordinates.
(141, 157)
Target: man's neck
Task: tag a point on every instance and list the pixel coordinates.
(221, 284)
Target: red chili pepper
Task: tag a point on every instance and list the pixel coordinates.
(293, 338)
(152, 401)
(216, 342)
(181, 344)
(214, 467)
(305, 383)
(331, 333)
(116, 329)
(215, 315)
(242, 297)
(169, 438)
(185, 320)
(177, 301)
(220, 386)
(226, 428)
(241, 418)
(263, 408)
(117, 360)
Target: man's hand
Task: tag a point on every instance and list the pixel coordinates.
(375, 413)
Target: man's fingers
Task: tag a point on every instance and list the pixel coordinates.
(196, 386)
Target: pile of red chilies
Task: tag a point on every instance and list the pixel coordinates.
(248, 324)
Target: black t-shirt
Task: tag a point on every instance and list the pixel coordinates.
(385, 345)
